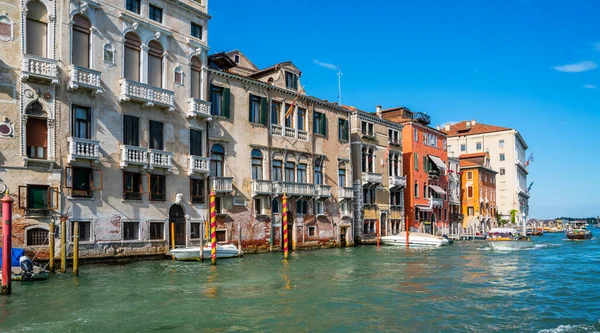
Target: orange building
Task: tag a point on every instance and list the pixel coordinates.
(478, 186)
(425, 162)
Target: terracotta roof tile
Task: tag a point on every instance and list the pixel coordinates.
(472, 155)
(464, 163)
(460, 129)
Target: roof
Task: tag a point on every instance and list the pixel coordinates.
(460, 129)
(465, 164)
(473, 155)
(274, 68)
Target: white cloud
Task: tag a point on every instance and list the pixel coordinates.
(576, 67)
(590, 86)
(326, 65)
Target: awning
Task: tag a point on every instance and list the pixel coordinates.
(440, 164)
(438, 189)
(424, 208)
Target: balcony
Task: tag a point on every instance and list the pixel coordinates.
(199, 108)
(84, 149)
(394, 142)
(436, 202)
(294, 189)
(35, 67)
(396, 212)
(371, 178)
(368, 135)
(198, 164)
(370, 212)
(288, 132)
(522, 166)
(345, 193)
(160, 159)
(134, 155)
(81, 77)
(149, 95)
(222, 184)
(260, 186)
(522, 192)
(276, 130)
(397, 181)
(323, 191)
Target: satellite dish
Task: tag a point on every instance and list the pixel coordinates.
(3, 188)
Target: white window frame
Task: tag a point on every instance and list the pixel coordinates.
(123, 230)
(319, 208)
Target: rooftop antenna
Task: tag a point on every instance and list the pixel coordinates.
(339, 74)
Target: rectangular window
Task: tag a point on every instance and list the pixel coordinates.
(291, 80)
(470, 175)
(320, 123)
(502, 171)
(157, 187)
(82, 122)
(133, 5)
(396, 198)
(502, 157)
(195, 142)
(85, 234)
(343, 129)
(425, 163)
(301, 173)
(444, 144)
(301, 206)
(301, 123)
(416, 161)
(131, 134)
(257, 206)
(219, 97)
(197, 191)
(155, 13)
(219, 205)
(470, 211)
(368, 196)
(368, 129)
(470, 191)
(416, 135)
(38, 200)
(312, 231)
(289, 172)
(156, 135)
(132, 186)
(257, 171)
(501, 143)
(289, 118)
(478, 145)
(320, 208)
(341, 177)
(416, 190)
(37, 237)
(276, 174)
(131, 230)
(254, 112)
(221, 236)
(463, 147)
(157, 230)
(81, 181)
(275, 112)
(194, 230)
(196, 30)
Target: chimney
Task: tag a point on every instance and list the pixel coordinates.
(468, 124)
(447, 127)
(438, 127)
(473, 122)
(378, 111)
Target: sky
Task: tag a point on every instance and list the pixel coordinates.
(526, 64)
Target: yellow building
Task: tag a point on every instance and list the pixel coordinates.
(478, 187)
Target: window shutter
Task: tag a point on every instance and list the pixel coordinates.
(22, 197)
(323, 124)
(345, 130)
(250, 109)
(315, 116)
(264, 110)
(225, 104)
(96, 185)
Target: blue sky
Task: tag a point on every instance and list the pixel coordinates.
(525, 64)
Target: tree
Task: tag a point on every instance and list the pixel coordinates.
(513, 216)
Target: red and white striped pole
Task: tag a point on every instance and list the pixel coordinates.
(285, 228)
(213, 229)
(7, 202)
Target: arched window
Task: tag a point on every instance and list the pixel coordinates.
(155, 64)
(342, 174)
(37, 237)
(178, 76)
(217, 157)
(37, 29)
(257, 160)
(275, 206)
(109, 54)
(196, 78)
(80, 51)
(132, 56)
(318, 174)
(37, 132)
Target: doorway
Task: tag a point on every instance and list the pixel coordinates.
(177, 224)
(343, 231)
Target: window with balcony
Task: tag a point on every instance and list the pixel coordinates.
(132, 51)
(37, 237)
(289, 171)
(157, 187)
(38, 200)
(156, 135)
(301, 119)
(318, 171)
(132, 186)
(36, 129)
(320, 123)
(301, 171)
(396, 198)
(393, 137)
(219, 97)
(257, 112)
(85, 230)
(195, 142)
(83, 181)
(275, 112)
(155, 13)
(367, 129)
(80, 49)
(289, 115)
(368, 196)
(368, 160)
(196, 30)
(197, 191)
(291, 80)
(196, 78)
(342, 174)
(343, 129)
(257, 162)
(217, 159)
(155, 64)
(133, 6)
(131, 131)
(276, 172)
(82, 122)
(37, 29)
(478, 146)
(301, 206)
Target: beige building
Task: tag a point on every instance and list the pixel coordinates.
(454, 195)
(259, 152)
(378, 177)
(107, 114)
(507, 151)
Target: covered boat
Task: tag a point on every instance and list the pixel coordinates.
(193, 253)
(577, 230)
(507, 239)
(414, 239)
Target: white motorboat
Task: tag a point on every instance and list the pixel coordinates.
(193, 253)
(508, 239)
(414, 239)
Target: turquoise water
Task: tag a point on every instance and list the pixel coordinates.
(465, 287)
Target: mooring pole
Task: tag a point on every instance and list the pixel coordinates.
(51, 241)
(201, 241)
(240, 238)
(213, 229)
(377, 231)
(75, 248)
(63, 249)
(7, 202)
(406, 227)
(285, 228)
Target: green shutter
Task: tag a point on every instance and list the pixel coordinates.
(264, 110)
(225, 103)
(323, 124)
(250, 109)
(315, 130)
(345, 129)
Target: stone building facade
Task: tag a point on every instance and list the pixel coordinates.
(478, 185)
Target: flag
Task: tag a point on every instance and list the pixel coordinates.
(291, 108)
(529, 188)
(387, 153)
(529, 159)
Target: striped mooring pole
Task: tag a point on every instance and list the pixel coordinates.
(285, 228)
(213, 229)
(7, 202)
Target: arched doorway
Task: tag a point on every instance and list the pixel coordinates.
(177, 224)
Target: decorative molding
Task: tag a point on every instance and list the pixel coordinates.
(5, 19)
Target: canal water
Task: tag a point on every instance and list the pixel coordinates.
(465, 287)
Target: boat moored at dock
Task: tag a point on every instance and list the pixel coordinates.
(414, 239)
(193, 253)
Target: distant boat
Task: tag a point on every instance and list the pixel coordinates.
(577, 230)
(414, 239)
(508, 239)
(193, 253)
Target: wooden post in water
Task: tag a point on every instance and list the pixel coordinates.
(406, 227)
(377, 231)
(63, 245)
(201, 241)
(75, 248)
(7, 202)
(51, 241)
(213, 229)
(240, 238)
(285, 228)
